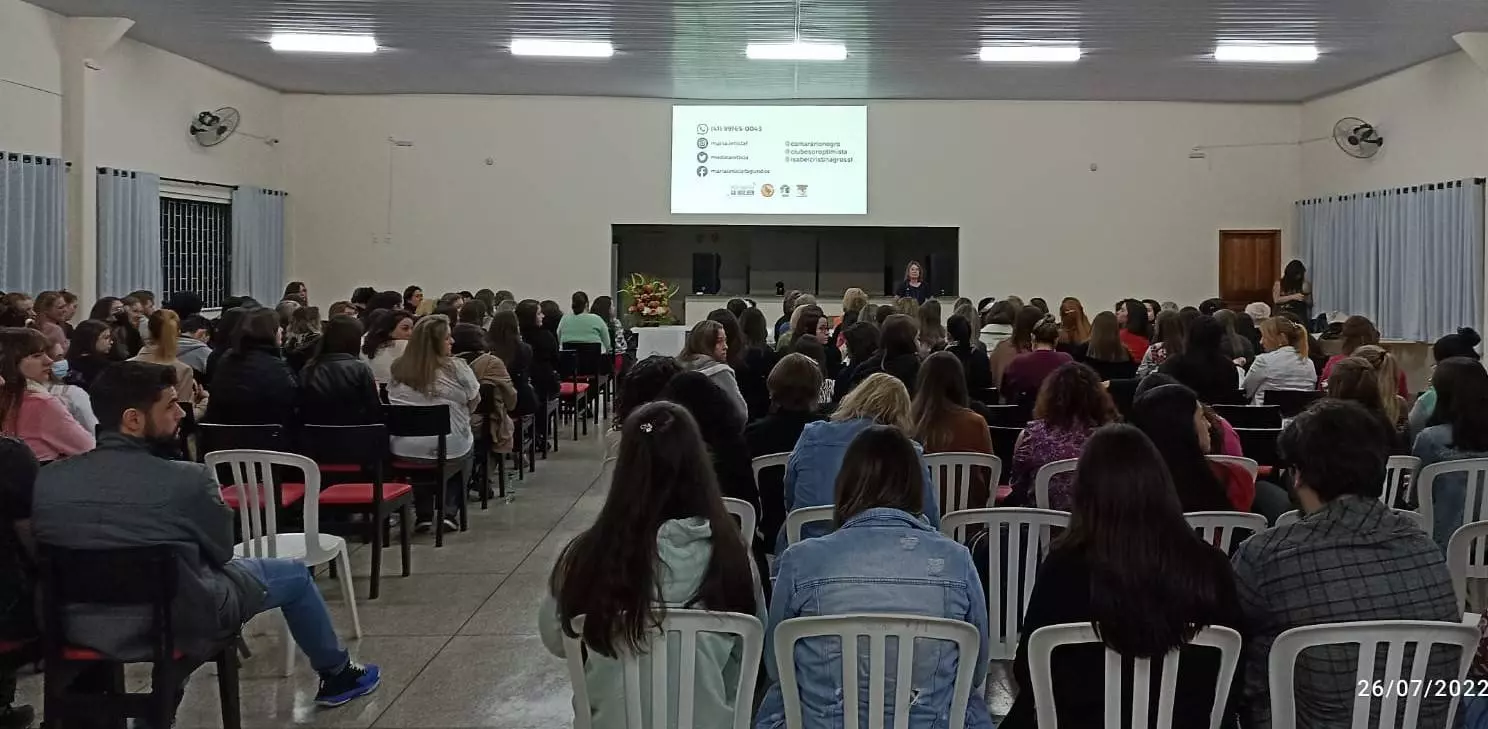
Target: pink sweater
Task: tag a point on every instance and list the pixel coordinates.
(52, 433)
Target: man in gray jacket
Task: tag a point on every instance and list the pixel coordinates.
(120, 495)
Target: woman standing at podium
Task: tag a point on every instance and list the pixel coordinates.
(914, 285)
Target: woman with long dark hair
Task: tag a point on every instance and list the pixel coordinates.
(1104, 351)
(945, 423)
(882, 558)
(722, 430)
(755, 355)
(932, 331)
(861, 339)
(1203, 366)
(1136, 328)
(253, 385)
(794, 386)
(973, 358)
(1293, 292)
(1172, 417)
(1132, 565)
(531, 324)
(1458, 429)
(337, 387)
(388, 332)
(27, 410)
(505, 339)
(706, 351)
(1071, 405)
(90, 351)
(297, 292)
(662, 540)
(1461, 343)
(898, 354)
(413, 297)
(1166, 342)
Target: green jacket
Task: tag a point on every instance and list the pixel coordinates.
(585, 328)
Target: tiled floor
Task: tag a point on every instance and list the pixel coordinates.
(457, 640)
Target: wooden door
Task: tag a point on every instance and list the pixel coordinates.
(1249, 262)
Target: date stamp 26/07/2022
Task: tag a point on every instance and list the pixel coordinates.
(1435, 688)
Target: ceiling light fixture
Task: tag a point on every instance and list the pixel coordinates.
(796, 51)
(561, 48)
(1031, 54)
(322, 43)
(1265, 53)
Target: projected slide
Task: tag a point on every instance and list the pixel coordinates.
(770, 160)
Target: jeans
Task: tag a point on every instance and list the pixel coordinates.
(1271, 501)
(456, 477)
(290, 589)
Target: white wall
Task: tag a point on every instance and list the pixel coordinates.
(30, 119)
(1014, 176)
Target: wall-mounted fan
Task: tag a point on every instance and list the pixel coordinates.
(211, 128)
(1357, 138)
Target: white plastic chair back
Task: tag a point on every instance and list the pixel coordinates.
(744, 511)
(907, 630)
(253, 481)
(1045, 474)
(803, 516)
(773, 460)
(1041, 647)
(1474, 497)
(1397, 635)
(952, 475)
(1467, 558)
(1222, 528)
(1029, 532)
(670, 682)
(1400, 479)
(1250, 466)
(1294, 516)
(1290, 517)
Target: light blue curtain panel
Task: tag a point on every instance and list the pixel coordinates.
(258, 244)
(128, 232)
(1409, 258)
(33, 223)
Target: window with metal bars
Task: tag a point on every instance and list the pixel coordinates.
(195, 248)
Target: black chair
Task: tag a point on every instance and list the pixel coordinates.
(351, 460)
(1004, 439)
(1122, 393)
(1005, 416)
(986, 395)
(141, 578)
(480, 469)
(426, 421)
(1259, 445)
(574, 394)
(525, 440)
(1250, 416)
(1291, 402)
(593, 367)
(552, 408)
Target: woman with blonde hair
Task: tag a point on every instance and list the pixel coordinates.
(907, 306)
(1074, 325)
(1388, 373)
(932, 331)
(1284, 365)
(164, 328)
(811, 473)
(428, 373)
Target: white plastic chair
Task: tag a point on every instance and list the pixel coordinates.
(748, 520)
(1400, 479)
(1474, 497)
(1250, 466)
(1026, 549)
(1420, 635)
(1290, 517)
(1294, 516)
(1220, 528)
(952, 474)
(668, 682)
(803, 516)
(773, 460)
(1467, 558)
(1041, 647)
(253, 481)
(878, 629)
(1045, 474)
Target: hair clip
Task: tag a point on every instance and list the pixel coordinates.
(647, 427)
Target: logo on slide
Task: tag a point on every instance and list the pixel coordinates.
(800, 191)
(702, 142)
(767, 190)
(702, 157)
(785, 190)
(702, 129)
(702, 171)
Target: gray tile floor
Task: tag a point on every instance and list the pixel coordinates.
(457, 640)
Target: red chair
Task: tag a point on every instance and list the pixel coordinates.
(351, 459)
(573, 392)
(212, 437)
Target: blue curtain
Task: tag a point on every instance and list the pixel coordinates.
(33, 223)
(1409, 258)
(258, 244)
(128, 232)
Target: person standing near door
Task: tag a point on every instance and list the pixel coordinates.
(1293, 292)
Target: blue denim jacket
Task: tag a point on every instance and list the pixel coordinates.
(811, 473)
(880, 561)
(1449, 493)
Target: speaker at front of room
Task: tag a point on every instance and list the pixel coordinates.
(705, 273)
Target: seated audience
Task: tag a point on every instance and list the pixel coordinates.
(361, 298)
(1026, 373)
(907, 306)
(737, 307)
(1166, 342)
(75, 398)
(794, 386)
(505, 339)
(803, 320)
(811, 473)
(388, 331)
(973, 358)
(788, 307)
(497, 393)
(1249, 330)
(644, 383)
(882, 558)
(1071, 405)
(1284, 365)
(191, 343)
(253, 385)
(1104, 351)
(1074, 325)
(1355, 379)
(809, 346)
(1131, 565)
(758, 360)
(27, 410)
(221, 340)
(474, 312)
(429, 374)
(1020, 342)
(165, 330)
(1349, 558)
(300, 336)
(706, 351)
(1458, 429)
(604, 308)
(545, 382)
(336, 386)
(552, 316)
(945, 423)
(1136, 328)
(854, 309)
(297, 292)
(121, 496)
(722, 430)
(861, 342)
(883, 312)
(1234, 346)
(1172, 417)
(997, 325)
(663, 536)
(413, 298)
(1359, 331)
(51, 315)
(932, 332)
(18, 471)
(343, 307)
(90, 352)
(898, 354)
(585, 327)
(1203, 366)
(1462, 343)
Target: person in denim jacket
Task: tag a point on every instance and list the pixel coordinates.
(1458, 429)
(881, 559)
(811, 472)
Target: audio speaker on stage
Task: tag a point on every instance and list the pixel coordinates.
(705, 273)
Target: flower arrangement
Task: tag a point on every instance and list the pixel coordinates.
(650, 300)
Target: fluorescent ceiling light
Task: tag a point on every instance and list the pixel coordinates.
(317, 43)
(796, 51)
(561, 48)
(1031, 54)
(1265, 53)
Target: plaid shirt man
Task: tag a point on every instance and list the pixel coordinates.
(1354, 559)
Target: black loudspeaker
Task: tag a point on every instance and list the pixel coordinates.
(941, 273)
(705, 273)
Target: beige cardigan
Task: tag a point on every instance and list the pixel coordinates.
(490, 370)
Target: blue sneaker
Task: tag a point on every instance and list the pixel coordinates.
(353, 682)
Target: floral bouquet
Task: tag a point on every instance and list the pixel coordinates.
(650, 301)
